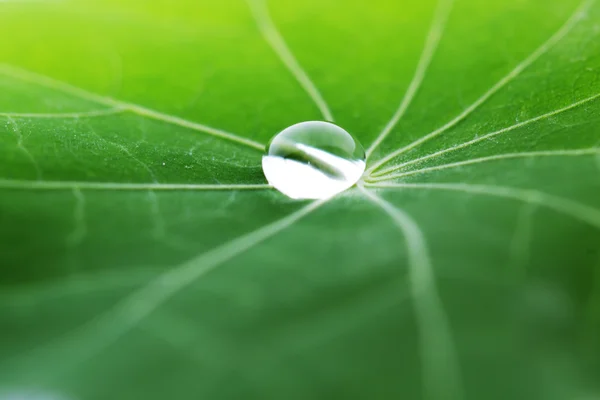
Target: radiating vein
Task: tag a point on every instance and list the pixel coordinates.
(67, 115)
(48, 82)
(96, 335)
(433, 37)
(577, 16)
(269, 31)
(488, 135)
(441, 368)
(579, 211)
(65, 185)
(498, 157)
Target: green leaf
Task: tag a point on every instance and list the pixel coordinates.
(143, 255)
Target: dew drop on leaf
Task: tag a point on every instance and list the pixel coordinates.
(313, 160)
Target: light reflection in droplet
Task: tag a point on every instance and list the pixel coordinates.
(313, 160)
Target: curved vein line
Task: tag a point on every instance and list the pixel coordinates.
(431, 42)
(123, 149)
(569, 207)
(107, 328)
(58, 185)
(578, 15)
(486, 136)
(17, 131)
(159, 231)
(79, 231)
(521, 239)
(28, 76)
(269, 31)
(441, 368)
(75, 115)
(530, 154)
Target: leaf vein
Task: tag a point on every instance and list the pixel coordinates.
(108, 327)
(23, 149)
(66, 185)
(431, 43)
(488, 135)
(79, 232)
(575, 209)
(531, 154)
(28, 76)
(269, 31)
(66, 115)
(577, 16)
(441, 368)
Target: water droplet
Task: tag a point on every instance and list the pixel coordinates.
(313, 160)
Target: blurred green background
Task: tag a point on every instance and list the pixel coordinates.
(100, 289)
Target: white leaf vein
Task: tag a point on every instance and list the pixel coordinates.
(487, 136)
(498, 157)
(106, 328)
(575, 209)
(433, 38)
(269, 31)
(441, 368)
(577, 16)
(28, 76)
(67, 115)
(82, 185)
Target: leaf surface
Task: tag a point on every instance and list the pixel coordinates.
(144, 256)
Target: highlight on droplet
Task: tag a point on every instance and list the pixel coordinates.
(313, 160)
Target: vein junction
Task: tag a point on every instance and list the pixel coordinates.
(498, 157)
(577, 16)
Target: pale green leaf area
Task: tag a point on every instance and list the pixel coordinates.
(144, 256)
